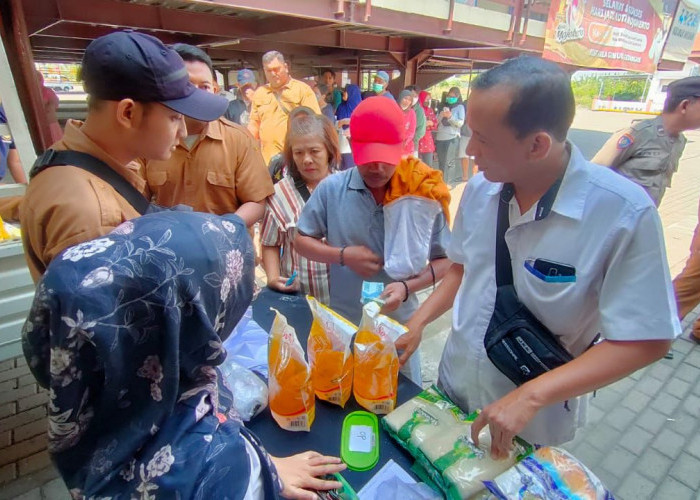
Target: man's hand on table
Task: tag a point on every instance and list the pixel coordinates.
(506, 418)
(300, 474)
(362, 260)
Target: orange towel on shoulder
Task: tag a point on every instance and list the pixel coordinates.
(413, 177)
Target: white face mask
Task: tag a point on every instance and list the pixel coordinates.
(414, 102)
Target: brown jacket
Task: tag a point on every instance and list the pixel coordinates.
(66, 205)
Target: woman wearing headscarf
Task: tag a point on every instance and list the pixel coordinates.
(406, 104)
(448, 133)
(127, 331)
(426, 146)
(311, 150)
(352, 96)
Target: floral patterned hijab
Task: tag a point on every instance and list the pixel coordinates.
(126, 331)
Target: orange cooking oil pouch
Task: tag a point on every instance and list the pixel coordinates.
(376, 364)
(290, 389)
(330, 353)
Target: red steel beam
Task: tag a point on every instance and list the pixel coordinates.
(345, 39)
(385, 19)
(14, 34)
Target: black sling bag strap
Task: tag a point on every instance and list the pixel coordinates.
(95, 166)
(516, 342)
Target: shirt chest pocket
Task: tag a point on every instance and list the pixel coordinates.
(156, 178)
(220, 179)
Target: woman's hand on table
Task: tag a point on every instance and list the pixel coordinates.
(362, 260)
(300, 474)
(280, 284)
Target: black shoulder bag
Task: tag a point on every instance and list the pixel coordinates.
(516, 342)
(97, 167)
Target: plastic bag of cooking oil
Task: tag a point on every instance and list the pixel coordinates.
(8, 231)
(291, 391)
(376, 366)
(330, 355)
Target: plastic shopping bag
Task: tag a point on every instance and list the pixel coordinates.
(408, 228)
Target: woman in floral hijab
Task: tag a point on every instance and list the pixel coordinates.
(127, 333)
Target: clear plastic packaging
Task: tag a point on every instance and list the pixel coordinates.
(330, 354)
(549, 473)
(376, 367)
(249, 390)
(292, 401)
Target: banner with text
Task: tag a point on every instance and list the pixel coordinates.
(612, 34)
(679, 43)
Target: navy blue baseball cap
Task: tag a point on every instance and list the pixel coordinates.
(128, 64)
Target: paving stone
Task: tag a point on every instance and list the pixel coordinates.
(620, 418)
(8, 364)
(665, 403)
(635, 487)
(636, 440)
(687, 372)
(636, 401)
(649, 385)
(595, 415)
(693, 447)
(606, 399)
(22, 418)
(15, 394)
(34, 494)
(661, 371)
(55, 489)
(624, 385)
(8, 409)
(677, 387)
(639, 373)
(13, 373)
(669, 443)
(603, 436)
(693, 358)
(32, 401)
(617, 462)
(588, 454)
(653, 465)
(684, 424)
(686, 469)
(674, 490)
(651, 420)
(30, 430)
(692, 405)
(683, 345)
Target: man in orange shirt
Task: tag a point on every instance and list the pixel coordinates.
(273, 102)
(217, 168)
(138, 92)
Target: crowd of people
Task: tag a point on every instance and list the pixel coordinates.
(141, 278)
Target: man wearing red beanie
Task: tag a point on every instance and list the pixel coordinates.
(346, 210)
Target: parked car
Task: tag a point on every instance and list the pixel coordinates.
(59, 87)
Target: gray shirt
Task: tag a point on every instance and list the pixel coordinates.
(343, 210)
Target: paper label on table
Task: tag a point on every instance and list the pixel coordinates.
(361, 438)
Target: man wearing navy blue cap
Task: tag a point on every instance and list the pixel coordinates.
(239, 109)
(138, 91)
(381, 80)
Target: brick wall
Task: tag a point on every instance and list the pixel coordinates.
(22, 422)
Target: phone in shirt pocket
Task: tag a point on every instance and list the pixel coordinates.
(551, 272)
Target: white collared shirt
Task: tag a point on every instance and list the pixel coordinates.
(604, 226)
